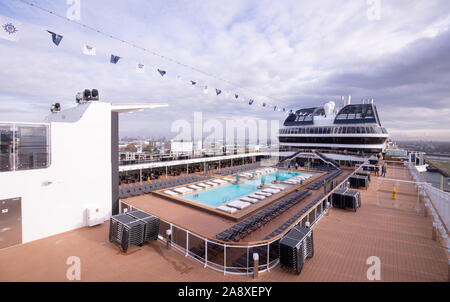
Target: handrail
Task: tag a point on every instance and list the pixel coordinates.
(428, 187)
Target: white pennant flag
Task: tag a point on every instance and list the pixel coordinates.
(89, 50)
(140, 68)
(9, 29)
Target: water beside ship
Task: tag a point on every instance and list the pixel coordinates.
(437, 180)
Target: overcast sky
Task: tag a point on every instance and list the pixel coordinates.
(291, 54)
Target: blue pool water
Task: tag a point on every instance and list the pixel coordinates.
(217, 196)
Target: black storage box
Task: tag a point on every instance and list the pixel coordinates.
(364, 173)
(295, 247)
(126, 230)
(359, 181)
(151, 224)
(346, 199)
(133, 228)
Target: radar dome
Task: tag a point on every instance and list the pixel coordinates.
(329, 108)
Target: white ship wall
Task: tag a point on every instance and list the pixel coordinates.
(54, 200)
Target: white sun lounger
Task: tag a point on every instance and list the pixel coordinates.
(273, 191)
(249, 199)
(219, 181)
(182, 190)
(260, 197)
(227, 209)
(292, 182)
(228, 179)
(211, 183)
(203, 185)
(238, 204)
(263, 193)
(172, 193)
(195, 187)
(277, 188)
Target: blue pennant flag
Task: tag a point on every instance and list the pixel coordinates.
(114, 59)
(284, 109)
(218, 91)
(193, 83)
(250, 102)
(236, 96)
(55, 37)
(274, 108)
(162, 72)
(264, 104)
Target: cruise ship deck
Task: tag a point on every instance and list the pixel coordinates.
(397, 231)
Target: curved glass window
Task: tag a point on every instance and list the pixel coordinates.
(334, 140)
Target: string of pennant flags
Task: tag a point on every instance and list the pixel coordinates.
(10, 30)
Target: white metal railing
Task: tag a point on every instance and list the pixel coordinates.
(437, 201)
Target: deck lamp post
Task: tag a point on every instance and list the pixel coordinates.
(169, 238)
(255, 265)
(425, 211)
(434, 231)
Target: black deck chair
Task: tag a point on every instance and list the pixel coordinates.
(140, 189)
(127, 190)
(121, 193)
(147, 188)
(133, 191)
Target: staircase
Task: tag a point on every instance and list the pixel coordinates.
(327, 160)
(288, 159)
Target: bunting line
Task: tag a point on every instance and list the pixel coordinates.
(89, 50)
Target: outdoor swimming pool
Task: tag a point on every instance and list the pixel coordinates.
(216, 196)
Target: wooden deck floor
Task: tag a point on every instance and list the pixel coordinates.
(393, 230)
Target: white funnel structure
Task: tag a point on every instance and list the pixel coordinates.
(329, 108)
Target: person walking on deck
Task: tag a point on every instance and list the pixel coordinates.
(383, 170)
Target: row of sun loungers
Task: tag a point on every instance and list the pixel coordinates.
(299, 179)
(128, 190)
(233, 170)
(324, 179)
(196, 187)
(257, 172)
(246, 201)
(246, 227)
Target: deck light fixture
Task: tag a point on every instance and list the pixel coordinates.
(94, 94)
(55, 108)
(87, 95)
